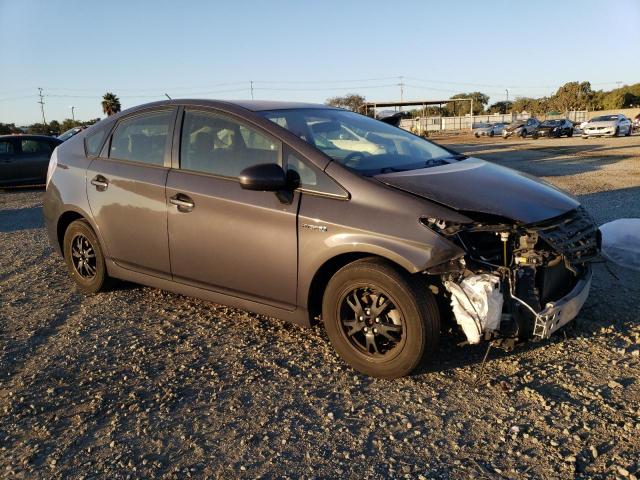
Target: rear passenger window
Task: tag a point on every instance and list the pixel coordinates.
(217, 144)
(6, 147)
(142, 138)
(36, 146)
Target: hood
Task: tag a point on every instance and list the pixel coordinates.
(606, 123)
(473, 185)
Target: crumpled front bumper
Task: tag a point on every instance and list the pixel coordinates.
(557, 314)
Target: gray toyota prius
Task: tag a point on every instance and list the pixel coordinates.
(316, 214)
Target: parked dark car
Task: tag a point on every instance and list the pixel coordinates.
(521, 128)
(24, 159)
(311, 213)
(70, 133)
(554, 128)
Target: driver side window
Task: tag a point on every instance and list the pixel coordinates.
(220, 145)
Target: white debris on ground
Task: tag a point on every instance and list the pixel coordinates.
(621, 242)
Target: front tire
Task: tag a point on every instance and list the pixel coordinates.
(84, 258)
(380, 320)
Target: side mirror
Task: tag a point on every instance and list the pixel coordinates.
(266, 177)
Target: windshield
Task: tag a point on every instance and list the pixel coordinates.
(361, 143)
(68, 134)
(605, 118)
(551, 123)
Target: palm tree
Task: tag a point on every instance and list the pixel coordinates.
(110, 104)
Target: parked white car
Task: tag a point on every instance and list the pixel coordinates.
(607, 125)
(488, 129)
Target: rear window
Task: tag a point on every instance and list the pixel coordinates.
(142, 138)
(36, 146)
(6, 147)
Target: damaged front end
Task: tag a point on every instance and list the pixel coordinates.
(518, 282)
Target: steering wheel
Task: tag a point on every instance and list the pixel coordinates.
(354, 157)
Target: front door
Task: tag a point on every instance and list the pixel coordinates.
(9, 155)
(126, 192)
(238, 242)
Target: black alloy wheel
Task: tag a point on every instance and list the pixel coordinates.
(84, 258)
(370, 320)
(380, 319)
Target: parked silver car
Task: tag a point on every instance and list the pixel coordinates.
(607, 125)
(488, 129)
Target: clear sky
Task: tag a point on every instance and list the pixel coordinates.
(304, 50)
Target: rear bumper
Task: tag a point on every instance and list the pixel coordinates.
(557, 314)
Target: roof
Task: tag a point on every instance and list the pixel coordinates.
(253, 105)
(259, 105)
(28, 136)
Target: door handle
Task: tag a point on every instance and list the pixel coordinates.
(100, 183)
(183, 202)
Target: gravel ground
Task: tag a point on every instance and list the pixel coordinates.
(140, 383)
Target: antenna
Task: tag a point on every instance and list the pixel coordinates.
(41, 102)
(167, 95)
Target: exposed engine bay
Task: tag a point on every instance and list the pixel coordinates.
(518, 282)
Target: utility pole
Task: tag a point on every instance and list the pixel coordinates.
(41, 102)
(251, 85)
(401, 85)
(507, 90)
(73, 117)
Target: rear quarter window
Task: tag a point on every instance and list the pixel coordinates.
(93, 142)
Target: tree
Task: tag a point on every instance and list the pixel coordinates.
(572, 96)
(110, 104)
(462, 108)
(38, 129)
(9, 128)
(68, 124)
(500, 107)
(351, 101)
(54, 127)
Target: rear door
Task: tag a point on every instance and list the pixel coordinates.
(224, 238)
(126, 191)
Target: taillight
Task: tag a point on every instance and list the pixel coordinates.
(53, 162)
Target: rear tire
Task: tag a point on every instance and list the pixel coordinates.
(523, 134)
(388, 343)
(570, 133)
(84, 258)
(628, 131)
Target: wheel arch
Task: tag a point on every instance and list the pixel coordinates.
(63, 223)
(323, 274)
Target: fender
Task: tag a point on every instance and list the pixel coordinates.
(411, 255)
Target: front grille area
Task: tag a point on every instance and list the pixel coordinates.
(574, 235)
